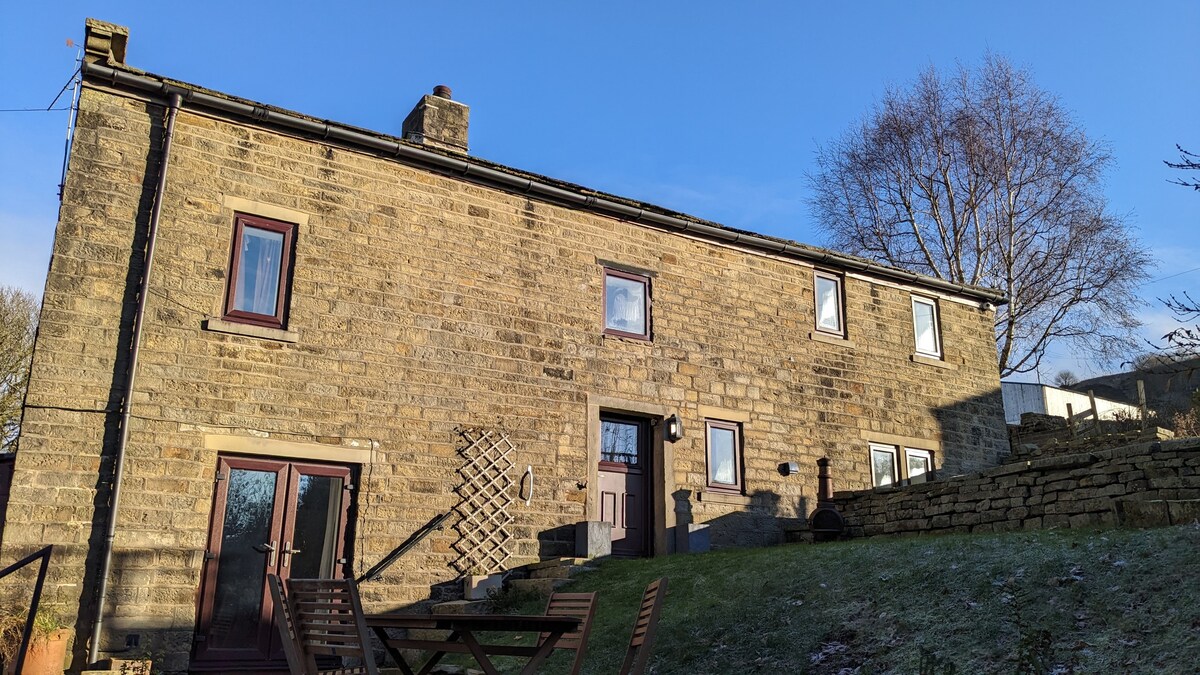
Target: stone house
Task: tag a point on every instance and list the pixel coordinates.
(273, 343)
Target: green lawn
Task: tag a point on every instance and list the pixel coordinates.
(1064, 601)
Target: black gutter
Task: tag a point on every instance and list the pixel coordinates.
(522, 185)
(173, 104)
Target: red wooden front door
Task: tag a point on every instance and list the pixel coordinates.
(624, 474)
(269, 517)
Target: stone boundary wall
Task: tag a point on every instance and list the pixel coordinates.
(1087, 488)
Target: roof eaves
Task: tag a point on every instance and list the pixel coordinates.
(514, 180)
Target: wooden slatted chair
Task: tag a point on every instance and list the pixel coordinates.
(581, 606)
(642, 640)
(321, 617)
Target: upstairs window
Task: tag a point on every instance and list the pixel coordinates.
(626, 304)
(925, 327)
(828, 290)
(724, 455)
(259, 271)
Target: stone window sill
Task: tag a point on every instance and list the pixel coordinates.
(931, 361)
(830, 338)
(714, 497)
(627, 338)
(246, 330)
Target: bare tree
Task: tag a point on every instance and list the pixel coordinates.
(1183, 343)
(1188, 161)
(1065, 378)
(984, 179)
(18, 322)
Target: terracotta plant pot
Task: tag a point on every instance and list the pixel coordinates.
(46, 656)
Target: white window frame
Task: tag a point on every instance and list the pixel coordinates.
(839, 305)
(923, 454)
(891, 450)
(937, 327)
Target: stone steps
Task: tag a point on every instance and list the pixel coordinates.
(459, 607)
(544, 586)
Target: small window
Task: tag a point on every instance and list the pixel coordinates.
(920, 463)
(883, 465)
(925, 325)
(724, 455)
(828, 290)
(626, 304)
(259, 271)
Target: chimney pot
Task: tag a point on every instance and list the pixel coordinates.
(442, 91)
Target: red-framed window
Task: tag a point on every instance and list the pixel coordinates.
(626, 304)
(724, 457)
(260, 271)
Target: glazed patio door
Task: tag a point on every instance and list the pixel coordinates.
(269, 517)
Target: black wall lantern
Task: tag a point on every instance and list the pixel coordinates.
(673, 429)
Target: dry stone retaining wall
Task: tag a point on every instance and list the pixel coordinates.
(1086, 488)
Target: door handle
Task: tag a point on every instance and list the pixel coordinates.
(288, 551)
(267, 548)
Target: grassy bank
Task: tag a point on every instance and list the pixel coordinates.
(1110, 601)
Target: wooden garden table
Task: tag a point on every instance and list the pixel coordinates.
(462, 639)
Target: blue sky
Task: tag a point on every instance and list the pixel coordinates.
(714, 109)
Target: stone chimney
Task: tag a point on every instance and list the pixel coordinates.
(104, 42)
(438, 122)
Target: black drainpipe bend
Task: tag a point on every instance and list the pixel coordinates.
(173, 103)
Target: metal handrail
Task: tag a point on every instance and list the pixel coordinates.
(44, 554)
(376, 571)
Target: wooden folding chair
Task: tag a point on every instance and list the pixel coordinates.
(321, 617)
(642, 640)
(580, 605)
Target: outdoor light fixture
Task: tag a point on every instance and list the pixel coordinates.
(674, 428)
(789, 468)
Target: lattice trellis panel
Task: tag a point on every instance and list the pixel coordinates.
(486, 494)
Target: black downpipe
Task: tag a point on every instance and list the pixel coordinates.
(173, 104)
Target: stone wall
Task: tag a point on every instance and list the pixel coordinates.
(1040, 435)
(420, 304)
(1082, 489)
